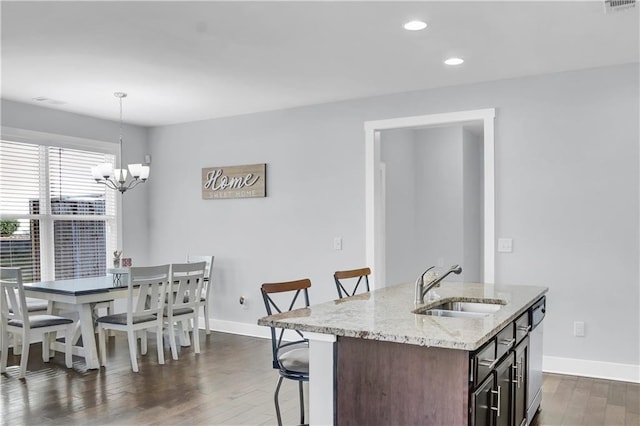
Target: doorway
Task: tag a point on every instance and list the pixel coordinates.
(375, 179)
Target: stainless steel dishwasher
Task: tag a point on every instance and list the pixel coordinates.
(534, 393)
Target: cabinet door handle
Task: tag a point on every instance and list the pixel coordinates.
(521, 375)
(490, 363)
(523, 328)
(497, 393)
(516, 375)
(507, 342)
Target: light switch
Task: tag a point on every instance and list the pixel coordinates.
(337, 243)
(505, 245)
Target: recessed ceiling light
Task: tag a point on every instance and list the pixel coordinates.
(415, 26)
(454, 61)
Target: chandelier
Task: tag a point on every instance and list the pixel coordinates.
(117, 178)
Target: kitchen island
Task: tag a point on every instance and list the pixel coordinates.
(373, 360)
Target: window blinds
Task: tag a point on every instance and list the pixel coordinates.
(68, 222)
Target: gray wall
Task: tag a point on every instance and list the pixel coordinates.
(135, 146)
(403, 259)
(473, 202)
(433, 190)
(440, 197)
(567, 190)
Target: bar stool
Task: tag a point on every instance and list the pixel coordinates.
(290, 358)
(351, 274)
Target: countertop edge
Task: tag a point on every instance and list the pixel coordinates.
(425, 341)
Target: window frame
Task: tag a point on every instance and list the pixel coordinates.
(46, 140)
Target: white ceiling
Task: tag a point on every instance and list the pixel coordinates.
(182, 62)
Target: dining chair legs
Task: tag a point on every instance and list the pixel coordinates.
(207, 326)
(185, 340)
(133, 349)
(275, 399)
(24, 357)
(143, 342)
(196, 336)
(3, 352)
(172, 341)
(159, 345)
(132, 338)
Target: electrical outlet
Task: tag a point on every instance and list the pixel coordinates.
(243, 302)
(337, 243)
(578, 328)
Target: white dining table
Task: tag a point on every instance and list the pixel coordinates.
(79, 295)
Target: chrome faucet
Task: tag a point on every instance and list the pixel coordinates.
(422, 289)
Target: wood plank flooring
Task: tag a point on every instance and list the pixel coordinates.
(570, 400)
(231, 382)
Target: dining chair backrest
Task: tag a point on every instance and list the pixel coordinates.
(341, 276)
(186, 285)
(207, 286)
(194, 258)
(208, 270)
(151, 284)
(13, 301)
(293, 289)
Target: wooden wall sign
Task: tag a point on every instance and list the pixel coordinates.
(247, 181)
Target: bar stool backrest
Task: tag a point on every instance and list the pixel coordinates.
(294, 290)
(340, 278)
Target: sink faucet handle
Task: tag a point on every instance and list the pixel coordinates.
(431, 275)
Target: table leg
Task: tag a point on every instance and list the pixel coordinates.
(88, 337)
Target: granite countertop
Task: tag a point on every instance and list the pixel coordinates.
(386, 315)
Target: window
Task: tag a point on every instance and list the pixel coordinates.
(56, 222)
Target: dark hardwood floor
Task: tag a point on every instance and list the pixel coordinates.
(231, 382)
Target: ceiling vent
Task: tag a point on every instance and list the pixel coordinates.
(617, 5)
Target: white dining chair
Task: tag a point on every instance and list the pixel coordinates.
(146, 292)
(182, 303)
(16, 320)
(34, 307)
(207, 288)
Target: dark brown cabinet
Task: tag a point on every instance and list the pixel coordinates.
(499, 379)
(397, 383)
(482, 403)
(503, 391)
(521, 367)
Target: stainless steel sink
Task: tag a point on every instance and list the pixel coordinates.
(460, 309)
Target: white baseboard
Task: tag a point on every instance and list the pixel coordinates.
(590, 368)
(241, 328)
(550, 364)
